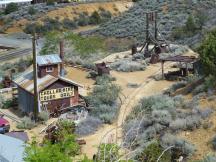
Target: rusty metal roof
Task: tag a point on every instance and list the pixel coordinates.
(48, 59)
(26, 82)
(180, 58)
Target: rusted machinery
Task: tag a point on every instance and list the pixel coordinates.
(154, 43)
(102, 68)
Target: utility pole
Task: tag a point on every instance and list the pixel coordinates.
(35, 76)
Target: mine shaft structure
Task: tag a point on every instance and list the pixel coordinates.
(154, 39)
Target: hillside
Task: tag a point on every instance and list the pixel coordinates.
(171, 14)
(17, 21)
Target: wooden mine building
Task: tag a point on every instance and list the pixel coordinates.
(55, 92)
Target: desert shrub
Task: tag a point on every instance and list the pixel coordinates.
(214, 142)
(199, 89)
(83, 19)
(11, 7)
(106, 113)
(206, 113)
(126, 65)
(95, 18)
(103, 99)
(88, 126)
(105, 15)
(26, 123)
(180, 144)
(43, 115)
(52, 24)
(69, 24)
(178, 124)
(147, 105)
(175, 87)
(193, 122)
(152, 152)
(161, 116)
(104, 79)
(104, 94)
(92, 74)
(32, 10)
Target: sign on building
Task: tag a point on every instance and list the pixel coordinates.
(54, 94)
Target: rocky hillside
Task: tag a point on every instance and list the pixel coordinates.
(17, 21)
(172, 14)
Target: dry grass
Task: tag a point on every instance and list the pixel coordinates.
(201, 138)
(72, 12)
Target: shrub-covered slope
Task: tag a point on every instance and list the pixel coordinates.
(171, 14)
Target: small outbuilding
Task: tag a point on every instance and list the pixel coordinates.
(102, 68)
(186, 65)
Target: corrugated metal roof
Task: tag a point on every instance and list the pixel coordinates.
(26, 82)
(48, 59)
(11, 149)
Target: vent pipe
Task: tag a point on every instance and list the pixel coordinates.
(62, 58)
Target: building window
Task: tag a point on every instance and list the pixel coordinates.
(49, 69)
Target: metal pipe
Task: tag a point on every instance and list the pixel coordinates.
(62, 57)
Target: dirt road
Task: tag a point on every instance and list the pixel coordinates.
(147, 87)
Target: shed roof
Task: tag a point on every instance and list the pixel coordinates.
(11, 149)
(180, 58)
(48, 59)
(26, 82)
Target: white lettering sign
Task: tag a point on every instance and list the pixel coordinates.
(53, 94)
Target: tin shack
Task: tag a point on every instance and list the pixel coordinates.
(55, 92)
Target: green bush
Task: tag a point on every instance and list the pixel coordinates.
(32, 10)
(95, 18)
(152, 152)
(108, 153)
(11, 7)
(207, 52)
(66, 125)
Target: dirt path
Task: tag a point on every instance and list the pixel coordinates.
(147, 87)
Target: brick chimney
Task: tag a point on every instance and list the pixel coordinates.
(61, 47)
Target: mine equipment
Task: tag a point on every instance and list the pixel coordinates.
(153, 39)
(102, 68)
(184, 68)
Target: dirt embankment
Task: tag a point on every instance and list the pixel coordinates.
(73, 11)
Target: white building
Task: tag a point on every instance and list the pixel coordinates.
(4, 3)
